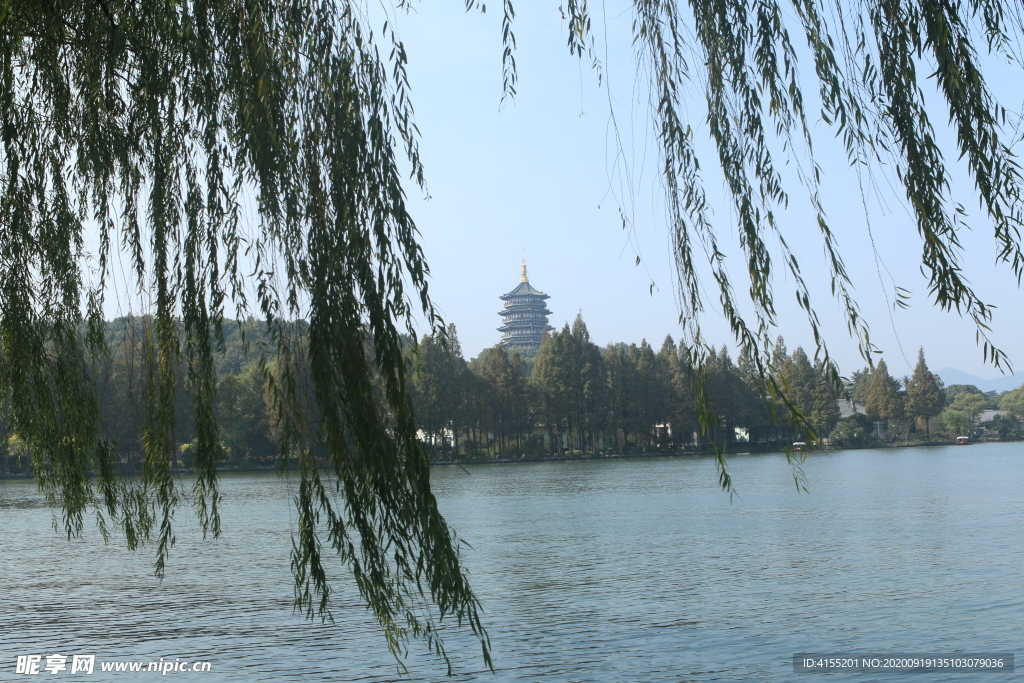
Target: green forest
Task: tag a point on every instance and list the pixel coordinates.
(572, 397)
(568, 398)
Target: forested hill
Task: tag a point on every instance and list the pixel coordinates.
(243, 341)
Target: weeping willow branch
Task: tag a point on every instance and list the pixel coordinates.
(148, 123)
(867, 59)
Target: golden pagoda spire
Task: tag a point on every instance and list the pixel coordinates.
(522, 276)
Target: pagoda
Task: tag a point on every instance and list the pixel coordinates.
(525, 315)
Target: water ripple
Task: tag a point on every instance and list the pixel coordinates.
(635, 570)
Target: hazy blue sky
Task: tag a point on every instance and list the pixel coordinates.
(541, 175)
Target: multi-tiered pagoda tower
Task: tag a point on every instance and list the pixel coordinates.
(525, 315)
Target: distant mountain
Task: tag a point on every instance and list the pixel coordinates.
(954, 376)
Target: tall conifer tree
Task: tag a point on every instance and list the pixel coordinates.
(883, 401)
(925, 398)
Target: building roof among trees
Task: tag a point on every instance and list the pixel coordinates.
(847, 408)
(989, 415)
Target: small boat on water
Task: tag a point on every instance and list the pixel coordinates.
(799, 445)
(963, 441)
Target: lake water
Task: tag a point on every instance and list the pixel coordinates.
(625, 570)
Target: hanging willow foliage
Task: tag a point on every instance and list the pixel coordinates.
(147, 123)
(867, 57)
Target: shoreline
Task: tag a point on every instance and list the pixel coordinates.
(587, 456)
(702, 453)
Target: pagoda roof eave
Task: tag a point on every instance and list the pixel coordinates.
(525, 289)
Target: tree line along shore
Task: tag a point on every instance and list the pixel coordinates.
(573, 398)
(569, 398)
